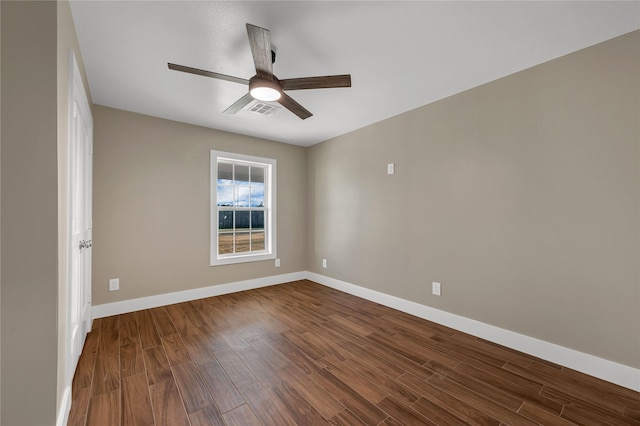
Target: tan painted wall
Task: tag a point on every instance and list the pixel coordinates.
(151, 206)
(67, 42)
(522, 197)
(29, 213)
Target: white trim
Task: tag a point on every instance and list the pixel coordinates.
(132, 305)
(601, 368)
(270, 203)
(65, 407)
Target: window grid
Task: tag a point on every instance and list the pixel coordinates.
(243, 217)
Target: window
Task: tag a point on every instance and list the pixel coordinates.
(242, 208)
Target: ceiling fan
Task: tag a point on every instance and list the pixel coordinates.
(264, 86)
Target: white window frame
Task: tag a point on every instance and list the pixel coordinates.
(269, 204)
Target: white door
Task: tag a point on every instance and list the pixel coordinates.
(80, 213)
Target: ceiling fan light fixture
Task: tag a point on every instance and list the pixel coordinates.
(264, 90)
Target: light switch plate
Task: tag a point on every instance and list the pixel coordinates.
(114, 284)
(435, 288)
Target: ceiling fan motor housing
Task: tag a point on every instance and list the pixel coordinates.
(264, 89)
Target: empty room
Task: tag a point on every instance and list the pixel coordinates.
(320, 212)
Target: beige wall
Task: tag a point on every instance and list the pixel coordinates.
(151, 206)
(29, 213)
(522, 197)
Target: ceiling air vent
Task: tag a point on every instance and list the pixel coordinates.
(262, 108)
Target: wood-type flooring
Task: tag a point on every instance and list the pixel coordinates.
(304, 354)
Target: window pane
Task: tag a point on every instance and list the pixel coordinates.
(242, 241)
(225, 220)
(257, 174)
(257, 241)
(242, 175)
(257, 194)
(225, 195)
(225, 243)
(242, 220)
(242, 196)
(257, 220)
(225, 173)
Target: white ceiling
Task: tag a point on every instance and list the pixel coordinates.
(401, 55)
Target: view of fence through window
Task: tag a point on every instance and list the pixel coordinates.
(241, 208)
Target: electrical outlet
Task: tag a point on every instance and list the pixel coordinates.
(114, 284)
(324, 263)
(391, 168)
(277, 263)
(435, 288)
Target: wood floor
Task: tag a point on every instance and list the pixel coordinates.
(304, 354)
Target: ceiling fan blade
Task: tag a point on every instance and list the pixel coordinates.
(260, 42)
(288, 102)
(324, 82)
(211, 74)
(239, 104)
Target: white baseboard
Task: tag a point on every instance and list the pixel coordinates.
(132, 305)
(65, 407)
(610, 371)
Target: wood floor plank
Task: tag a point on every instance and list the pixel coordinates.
(326, 346)
(131, 360)
(542, 416)
(168, 409)
(403, 414)
(567, 385)
(183, 326)
(147, 330)
(379, 362)
(174, 348)
(86, 363)
(79, 407)
(266, 406)
(212, 338)
(352, 378)
(107, 373)
(109, 340)
(157, 365)
(197, 350)
(581, 411)
(192, 389)
(446, 401)
(128, 332)
(389, 385)
(304, 345)
(521, 394)
(477, 400)
(390, 356)
(104, 409)
(436, 414)
(220, 386)
(317, 396)
(368, 412)
(298, 407)
(346, 418)
(301, 353)
(135, 403)
(208, 416)
(237, 371)
(506, 399)
(163, 322)
(259, 367)
(241, 416)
